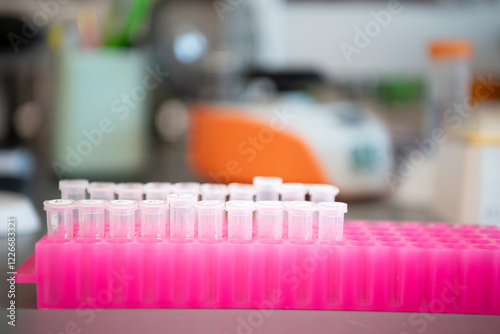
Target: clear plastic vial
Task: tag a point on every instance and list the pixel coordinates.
(130, 191)
(182, 215)
(157, 190)
(240, 220)
(213, 191)
(300, 220)
(102, 190)
(91, 219)
(73, 189)
(210, 218)
(60, 218)
(154, 215)
(267, 188)
(241, 192)
(122, 215)
(322, 193)
(293, 192)
(331, 221)
(270, 219)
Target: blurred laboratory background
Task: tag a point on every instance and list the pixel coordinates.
(395, 102)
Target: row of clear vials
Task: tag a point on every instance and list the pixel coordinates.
(176, 211)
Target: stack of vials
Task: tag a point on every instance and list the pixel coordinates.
(189, 211)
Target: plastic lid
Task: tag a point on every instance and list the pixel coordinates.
(210, 205)
(213, 189)
(153, 204)
(332, 207)
(91, 204)
(158, 186)
(123, 204)
(293, 190)
(129, 186)
(59, 205)
(451, 48)
(105, 186)
(240, 191)
(73, 184)
(300, 206)
(270, 205)
(240, 206)
(323, 189)
(181, 199)
(267, 182)
(186, 188)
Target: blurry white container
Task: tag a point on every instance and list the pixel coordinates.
(467, 187)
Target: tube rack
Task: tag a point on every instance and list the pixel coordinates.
(380, 266)
(185, 253)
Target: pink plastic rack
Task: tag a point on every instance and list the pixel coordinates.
(381, 266)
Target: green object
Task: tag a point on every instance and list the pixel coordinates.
(401, 90)
(125, 20)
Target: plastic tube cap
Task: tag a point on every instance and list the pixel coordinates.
(73, 184)
(73, 189)
(59, 205)
(268, 183)
(102, 190)
(267, 188)
(132, 191)
(153, 205)
(293, 192)
(332, 207)
(323, 192)
(213, 191)
(181, 200)
(298, 207)
(186, 188)
(240, 206)
(123, 205)
(209, 206)
(157, 190)
(91, 204)
(241, 191)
